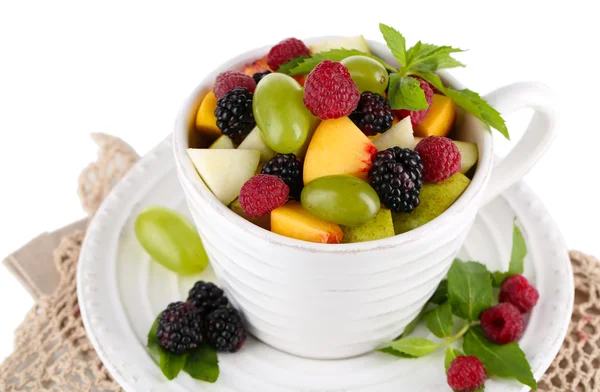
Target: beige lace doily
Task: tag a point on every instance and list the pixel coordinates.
(52, 352)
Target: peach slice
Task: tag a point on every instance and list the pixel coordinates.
(206, 122)
(440, 119)
(259, 65)
(292, 220)
(338, 147)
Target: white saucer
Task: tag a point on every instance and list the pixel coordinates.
(121, 291)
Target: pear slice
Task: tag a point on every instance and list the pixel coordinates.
(254, 141)
(261, 221)
(379, 227)
(435, 199)
(222, 143)
(224, 171)
(400, 134)
(469, 154)
(357, 43)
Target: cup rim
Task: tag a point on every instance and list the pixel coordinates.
(191, 180)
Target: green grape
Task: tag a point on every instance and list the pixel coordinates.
(278, 106)
(368, 74)
(341, 199)
(172, 240)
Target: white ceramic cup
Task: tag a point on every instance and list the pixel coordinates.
(337, 301)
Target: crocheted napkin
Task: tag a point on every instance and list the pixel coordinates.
(53, 353)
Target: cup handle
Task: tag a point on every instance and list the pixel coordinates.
(537, 138)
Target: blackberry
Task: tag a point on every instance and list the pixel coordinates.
(224, 330)
(234, 114)
(396, 176)
(289, 169)
(373, 114)
(259, 75)
(179, 328)
(206, 297)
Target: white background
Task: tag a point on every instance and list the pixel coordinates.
(69, 69)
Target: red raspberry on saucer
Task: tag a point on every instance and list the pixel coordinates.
(229, 80)
(502, 323)
(466, 374)
(330, 92)
(441, 158)
(417, 116)
(285, 51)
(517, 291)
(263, 193)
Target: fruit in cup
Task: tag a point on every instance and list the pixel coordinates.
(225, 171)
(469, 154)
(373, 114)
(440, 119)
(435, 199)
(399, 135)
(261, 221)
(206, 121)
(171, 240)
(338, 147)
(254, 141)
(257, 66)
(351, 43)
(292, 220)
(286, 124)
(222, 143)
(341, 199)
(367, 73)
(382, 226)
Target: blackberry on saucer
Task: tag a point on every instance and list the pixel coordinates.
(373, 114)
(224, 330)
(179, 328)
(234, 114)
(289, 169)
(206, 297)
(397, 178)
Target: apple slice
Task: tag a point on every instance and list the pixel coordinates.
(338, 147)
(222, 143)
(224, 171)
(356, 43)
(292, 220)
(254, 141)
(400, 135)
(469, 154)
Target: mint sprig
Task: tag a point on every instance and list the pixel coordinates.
(517, 258)
(303, 65)
(465, 294)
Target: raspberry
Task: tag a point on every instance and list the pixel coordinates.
(289, 169)
(373, 114)
(417, 117)
(329, 91)
(502, 323)
(396, 177)
(441, 158)
(179, 328)
(206, 297)
(517, 291)
(234, 114)
(262, 194)
(466, 374)
(229, 80)
(260, 75)
(285, 51)
(225, 330)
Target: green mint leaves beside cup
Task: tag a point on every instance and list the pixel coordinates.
(404, 92)
(201, 364)
(453, 312)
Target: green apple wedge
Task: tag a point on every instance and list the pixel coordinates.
(222, 143)
(224, 171)
(356, 43)
(435, 199)
(254, 141)
(379, 227)
(400, 134)
(262, 221)
(469, 154)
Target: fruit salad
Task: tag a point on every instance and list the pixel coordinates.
(328, 143)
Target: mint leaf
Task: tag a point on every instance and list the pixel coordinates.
(171, 364)
(415, 347)
(451, 355)
(441, 293)
(498, 278)
(396, 42)
(430, 58)
(406, 93)
(202, 364)
(439, 321)
(506, 360)
(469, 289)
(152, 344)
(307, 64)
(519, 251)
(391, 351)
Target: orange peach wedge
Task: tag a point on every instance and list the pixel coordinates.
(206, 122)
(440, 119)
(292, 220)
